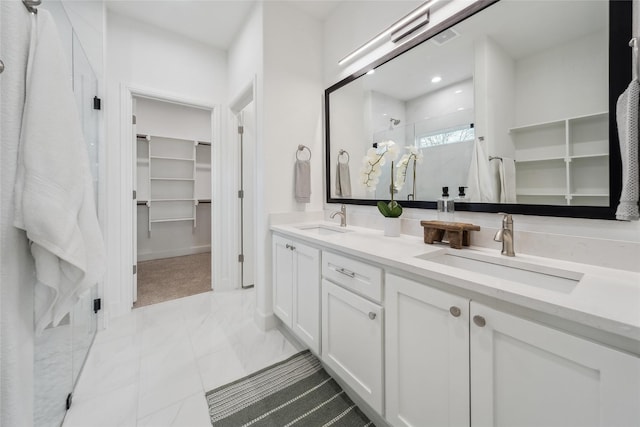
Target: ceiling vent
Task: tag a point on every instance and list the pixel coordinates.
(444, 37)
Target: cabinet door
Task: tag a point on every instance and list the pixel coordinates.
(306, 295)
(352, 341)
(527, 374)
(282, 280)
(427, 355)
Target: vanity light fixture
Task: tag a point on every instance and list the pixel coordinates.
(396, 27)
(436, 79)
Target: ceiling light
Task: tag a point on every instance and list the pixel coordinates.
(383, 36)
(436, 79)
(460, 108)
(458, 91)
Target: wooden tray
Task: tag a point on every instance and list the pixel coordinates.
(458, 233)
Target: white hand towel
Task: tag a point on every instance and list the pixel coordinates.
(343, 180)
(627, 118)
(54, 201)
(480, 184)
(507, 171)
(303, 181)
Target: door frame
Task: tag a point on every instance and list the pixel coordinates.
(127, 93)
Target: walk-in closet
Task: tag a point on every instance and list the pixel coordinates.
(172, 251)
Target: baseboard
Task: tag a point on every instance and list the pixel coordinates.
(265, 322)
(173, 253)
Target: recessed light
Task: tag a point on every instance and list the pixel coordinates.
(384, 114)
(371, 72)
(460, 108)
(436, 79)
(458, 91)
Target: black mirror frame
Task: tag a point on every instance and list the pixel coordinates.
(620, 32)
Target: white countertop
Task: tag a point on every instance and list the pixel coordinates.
(604, 298)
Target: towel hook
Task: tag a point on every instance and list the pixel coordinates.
(633, 43)
(302, 148)
(343, 153)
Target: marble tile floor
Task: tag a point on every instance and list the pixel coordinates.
(153, 366)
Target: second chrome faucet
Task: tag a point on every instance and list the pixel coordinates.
(343, 215)
(505, 235)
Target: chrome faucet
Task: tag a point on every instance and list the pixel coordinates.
(505, 235)
(343, 215)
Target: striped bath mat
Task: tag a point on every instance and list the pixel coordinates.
(294, 392)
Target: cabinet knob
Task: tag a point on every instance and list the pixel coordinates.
(372, 315)
(455, 311)
(479, 320)
(288, 246)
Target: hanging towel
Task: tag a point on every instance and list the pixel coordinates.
(343, 180)
(627, 118)
(507, 174)
(303, 181)
(480, 184)
(54, 200)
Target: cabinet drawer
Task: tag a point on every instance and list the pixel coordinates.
(362, 278)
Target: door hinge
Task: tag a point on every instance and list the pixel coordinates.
(133, 119)
(135, 269)
(241, 258)
(240, 130)
(68, 402)
(240, 194)
(97, 305)
(135, 194)
(97, 103)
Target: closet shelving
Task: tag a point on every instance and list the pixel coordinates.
(563, 161)
(170, 166)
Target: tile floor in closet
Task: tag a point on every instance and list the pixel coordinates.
(153, 366)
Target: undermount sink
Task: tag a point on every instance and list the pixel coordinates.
(323, 229)
(511, 269)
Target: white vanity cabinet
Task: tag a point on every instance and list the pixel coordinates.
(296, 289)
(527, 374)
(352, 325)
(427, 355)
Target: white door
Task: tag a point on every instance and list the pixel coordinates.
(306, 295)
(283, 280)
(427, 355)
(134, 207)
(352, 341)
(527, 374)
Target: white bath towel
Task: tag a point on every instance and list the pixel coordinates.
(627, 118)
(54, 200)
(303, 181)
(507, 174)
(480, 183)
(343, 180)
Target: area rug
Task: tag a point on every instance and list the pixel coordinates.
(294, 392)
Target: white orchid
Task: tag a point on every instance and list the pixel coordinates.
(403, 165)
(374, 160)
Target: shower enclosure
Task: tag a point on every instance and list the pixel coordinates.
(61, 351)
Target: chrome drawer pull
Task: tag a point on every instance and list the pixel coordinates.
(346, 272)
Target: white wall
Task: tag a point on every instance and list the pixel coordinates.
(292, 115)
(149, 59)
(353, 23)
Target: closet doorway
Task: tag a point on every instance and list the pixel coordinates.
(172, 213)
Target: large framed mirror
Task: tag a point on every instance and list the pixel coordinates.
(514, 100)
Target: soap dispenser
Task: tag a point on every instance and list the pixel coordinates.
(462, 197)
(445, 206)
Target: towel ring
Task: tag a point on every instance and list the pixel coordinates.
(341, 153)
(302, 148)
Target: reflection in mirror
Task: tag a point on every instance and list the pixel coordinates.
(493, 86)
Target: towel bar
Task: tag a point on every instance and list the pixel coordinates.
(302, 148)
